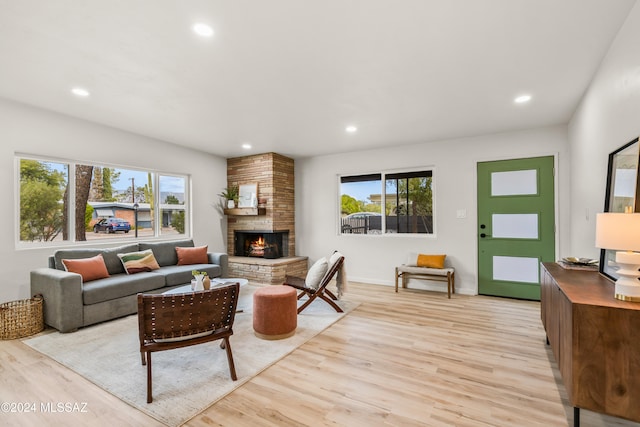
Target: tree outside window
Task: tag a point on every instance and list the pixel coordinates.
(43, 187)
(409, 202)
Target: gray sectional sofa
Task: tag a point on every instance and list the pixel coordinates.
(70, 304)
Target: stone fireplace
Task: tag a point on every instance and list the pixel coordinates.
(261, 242)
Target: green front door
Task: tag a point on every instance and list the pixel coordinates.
(516, 225)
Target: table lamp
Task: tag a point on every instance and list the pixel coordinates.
(621, 232)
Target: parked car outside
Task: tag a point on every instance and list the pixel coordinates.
(111, 225)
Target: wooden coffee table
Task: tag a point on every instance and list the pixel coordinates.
(218, 281)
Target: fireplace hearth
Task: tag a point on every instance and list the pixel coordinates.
(261, 244)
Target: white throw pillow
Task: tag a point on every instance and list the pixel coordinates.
(316, 273)
(334, 258)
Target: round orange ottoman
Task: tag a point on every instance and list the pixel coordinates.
(275, 312)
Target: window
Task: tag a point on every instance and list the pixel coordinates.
(43, 194)
(173, 190)
(409, 202)
(360, 207)
(83, 202)
(407, 199)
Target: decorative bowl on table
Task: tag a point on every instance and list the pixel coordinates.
(579, 261)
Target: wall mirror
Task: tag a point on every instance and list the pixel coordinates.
(248, 196)
(623, 194)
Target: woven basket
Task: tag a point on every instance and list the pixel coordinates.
(21, 318)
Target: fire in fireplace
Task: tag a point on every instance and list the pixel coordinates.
(256, 247)
(261, 244)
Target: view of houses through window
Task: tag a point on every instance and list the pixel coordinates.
(80, 202)
(403, 205)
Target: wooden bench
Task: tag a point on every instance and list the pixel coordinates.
(437, 274)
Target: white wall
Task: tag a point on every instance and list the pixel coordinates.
(371, 259)
(607, 118)
(28, 130)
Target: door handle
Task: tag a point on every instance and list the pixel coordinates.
(483, 235)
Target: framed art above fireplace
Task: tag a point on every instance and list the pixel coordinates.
(248, 197)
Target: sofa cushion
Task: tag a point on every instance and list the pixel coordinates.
(136, 262)
(89, 268)
(181, 274)
(165, 252)
(425, 270)
(111, 260)
(120, 285)
(188, 256)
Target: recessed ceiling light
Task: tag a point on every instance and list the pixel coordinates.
(522, 99)
(79, 91)
(246, 146)
(203, 30)
(351, 129)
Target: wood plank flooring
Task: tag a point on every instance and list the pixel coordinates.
(414, 358)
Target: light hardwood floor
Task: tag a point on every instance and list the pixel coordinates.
(408, 359)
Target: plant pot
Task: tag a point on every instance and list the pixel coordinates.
(199, 286)
(231, 204)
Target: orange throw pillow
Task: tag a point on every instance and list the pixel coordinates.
(188, 256)
(431, 261)
(89, 268)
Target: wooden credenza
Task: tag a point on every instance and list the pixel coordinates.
(595, 340)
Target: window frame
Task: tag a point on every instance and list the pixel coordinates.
(383, 199)
(71, 164)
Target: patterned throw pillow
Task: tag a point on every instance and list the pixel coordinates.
(135, 262)
(89, 268)
(189, 256)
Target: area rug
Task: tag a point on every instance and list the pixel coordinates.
(185, 381)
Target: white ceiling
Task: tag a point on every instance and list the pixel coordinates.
(288, 75)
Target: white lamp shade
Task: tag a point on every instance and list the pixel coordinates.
(618, 231)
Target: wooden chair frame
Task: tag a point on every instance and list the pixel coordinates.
(322, 292)
(172, 321)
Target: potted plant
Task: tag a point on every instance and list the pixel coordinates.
(230, 194)
(202, 280)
